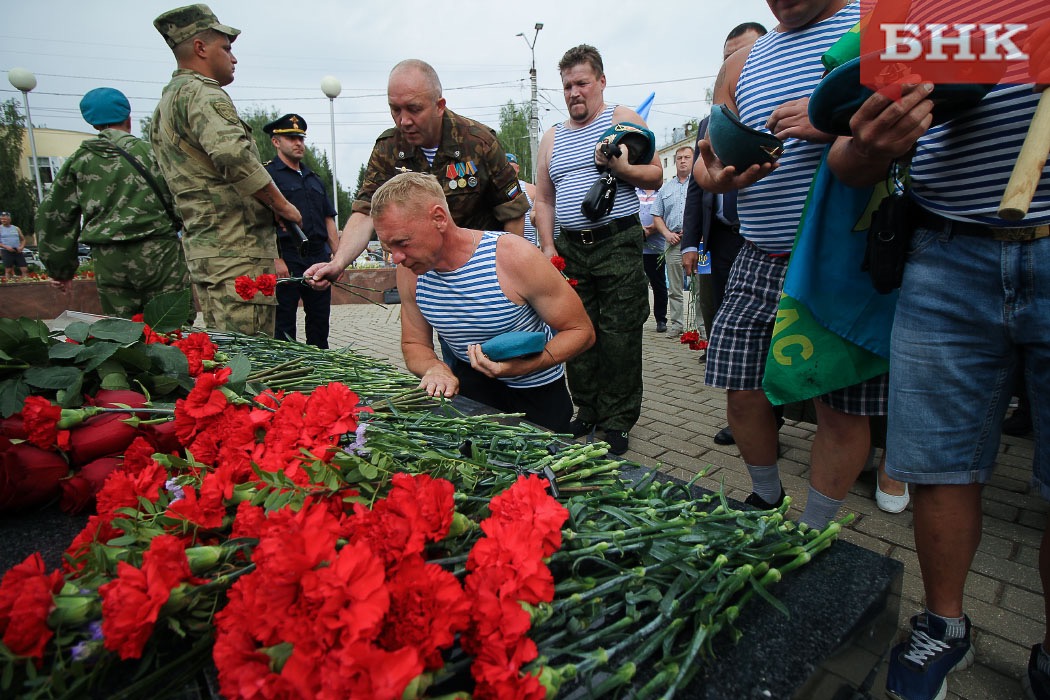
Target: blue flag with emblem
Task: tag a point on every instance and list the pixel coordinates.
(832, 328)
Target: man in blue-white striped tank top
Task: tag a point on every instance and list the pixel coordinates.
(974, 306)
(472, 286)
(768, 85)
(604, 255)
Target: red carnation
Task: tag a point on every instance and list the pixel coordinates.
(197, 347)
(266, 284)
(245, 287)
(131, 603)
(41, 421)
(26, 598)
(573, 282)
(558, 262)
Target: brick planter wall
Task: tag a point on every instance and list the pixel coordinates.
(42, 301)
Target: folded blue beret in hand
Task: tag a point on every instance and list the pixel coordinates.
(514, 344)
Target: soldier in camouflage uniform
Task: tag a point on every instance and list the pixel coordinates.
(604, 255)
(128, 220)
(466, 157)
(226, 198)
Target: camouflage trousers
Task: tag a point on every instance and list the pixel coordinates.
(224, 310)
(129, 274)
(606, 380)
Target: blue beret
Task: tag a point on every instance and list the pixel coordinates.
(103, 106)
(514, 344)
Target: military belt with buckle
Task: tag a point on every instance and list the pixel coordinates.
(996, 233)
(590, 236)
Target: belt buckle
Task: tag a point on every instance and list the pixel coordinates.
(1023, 233)
(587, 236)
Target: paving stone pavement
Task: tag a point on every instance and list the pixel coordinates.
(679, 419)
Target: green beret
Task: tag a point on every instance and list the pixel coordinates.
(739, 145)
(840, 94)
(178, 25)
(641, 143)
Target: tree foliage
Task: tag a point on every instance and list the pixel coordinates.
(17, 194)
(514, 135)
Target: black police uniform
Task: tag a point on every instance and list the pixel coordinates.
(305, 190)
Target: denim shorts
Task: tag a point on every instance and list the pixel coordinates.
(969, 309)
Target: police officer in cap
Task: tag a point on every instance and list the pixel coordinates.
(304, 189)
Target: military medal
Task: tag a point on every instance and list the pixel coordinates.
(472, 181)
(462, 182)
(452, 184)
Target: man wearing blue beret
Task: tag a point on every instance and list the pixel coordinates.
(111, 196)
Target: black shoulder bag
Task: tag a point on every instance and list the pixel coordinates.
(152, 182)
(889, 235)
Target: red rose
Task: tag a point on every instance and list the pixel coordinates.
(77, 495)
(245, 287)
(99, 436)
(109, 398)
(266, 284)
(29, 476)
(41, 421)
(163, 437)
(13, 427)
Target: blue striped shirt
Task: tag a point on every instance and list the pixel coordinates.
(467, 306)
(530, 230)
(781, 67)
(961, 167)
(572, 171)
(670, 203)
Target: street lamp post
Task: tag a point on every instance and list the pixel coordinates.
(25, 81)
(331, 87)
(534, 116)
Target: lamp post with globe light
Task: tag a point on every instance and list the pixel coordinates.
(534, 115)
(331, 87)
(24, 81)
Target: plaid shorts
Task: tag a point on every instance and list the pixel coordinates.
(743, 330)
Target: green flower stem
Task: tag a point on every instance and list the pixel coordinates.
(665, 676)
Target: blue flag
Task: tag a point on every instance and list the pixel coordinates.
(643, 109)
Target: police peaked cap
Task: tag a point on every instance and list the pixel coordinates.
(288, 125)
(640, 141)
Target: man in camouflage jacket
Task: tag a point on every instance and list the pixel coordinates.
(130, 226)
(480, 186)
(226, 198)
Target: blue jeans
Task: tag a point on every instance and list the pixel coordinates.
(969, 309)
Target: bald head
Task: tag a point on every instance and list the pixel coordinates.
(419, 72)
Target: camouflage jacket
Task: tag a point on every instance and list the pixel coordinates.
(116, 203)
(480, 186)
(213, 168)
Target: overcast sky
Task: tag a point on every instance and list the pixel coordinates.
(672, 47)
